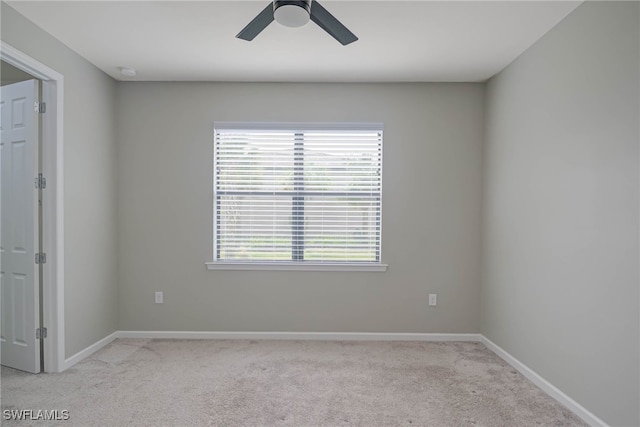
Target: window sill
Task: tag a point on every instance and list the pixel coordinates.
(282, 266)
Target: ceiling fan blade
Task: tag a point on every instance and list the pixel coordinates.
(331, 25)
(258, 24)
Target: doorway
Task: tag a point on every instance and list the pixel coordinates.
(48, 252)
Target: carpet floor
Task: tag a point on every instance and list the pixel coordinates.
(140, 382)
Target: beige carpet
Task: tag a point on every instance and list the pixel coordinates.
(298, 383)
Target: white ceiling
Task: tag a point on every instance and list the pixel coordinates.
(400, 41)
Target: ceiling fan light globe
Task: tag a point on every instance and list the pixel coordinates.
(291, 15)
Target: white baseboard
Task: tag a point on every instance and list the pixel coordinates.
(88, 351)
(317, 336)
(545, 385)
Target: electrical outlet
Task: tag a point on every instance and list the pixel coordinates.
(433, 299)
(159, 298)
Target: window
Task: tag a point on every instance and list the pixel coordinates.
(292, 194)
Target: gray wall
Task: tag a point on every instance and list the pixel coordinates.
(560, 251)
(431, 210)
(91, 293)
(10, 74)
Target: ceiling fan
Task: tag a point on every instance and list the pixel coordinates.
(296, 13)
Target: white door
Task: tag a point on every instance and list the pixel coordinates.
(19, 279)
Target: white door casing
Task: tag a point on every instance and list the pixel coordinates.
(52, 158)
(19, 279)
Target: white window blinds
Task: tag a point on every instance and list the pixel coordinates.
(297, 193)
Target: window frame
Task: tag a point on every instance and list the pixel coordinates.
(300, 265)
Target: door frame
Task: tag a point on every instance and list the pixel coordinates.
(52, 201)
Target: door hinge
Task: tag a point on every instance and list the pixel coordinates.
(41, 333)
(39, 107)
(41, 258)
(40, 182)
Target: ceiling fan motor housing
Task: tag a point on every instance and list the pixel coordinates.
(292, 13)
